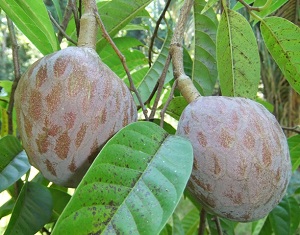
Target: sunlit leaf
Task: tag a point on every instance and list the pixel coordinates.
(31, 17)
(237, 56)
(13, 161)
(208, 5)
(283, 42)
(205, 71)
(133, 186)
(272, 6)
(32, 210)
(257, 226)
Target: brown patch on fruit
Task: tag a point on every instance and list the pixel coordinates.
(206, 187)
(278, 175)
(249, 140)
(50, 167)
(103, 116)
(50, 128)
(186, 129)
(41, 76)
(42, 142)
(75, 83)
(69, 119)
(225, 139)
(72, 167)
(62, 145)
(201, 139)
(234, 197)
(94, 152)
(217, 168)
(28, 126)
(267, 156)
(35, 104)
(125, 119)
(60, 66)
(80, 135)
(53, 99)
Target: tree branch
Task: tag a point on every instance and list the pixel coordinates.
(16, 62)
(202, 222)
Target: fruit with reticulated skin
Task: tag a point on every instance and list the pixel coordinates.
(241, 158)
(68, 105)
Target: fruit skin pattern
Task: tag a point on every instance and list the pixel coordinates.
(241, 158)
(68, 105)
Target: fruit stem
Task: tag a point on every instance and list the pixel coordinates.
(184, 83)
(88, 25)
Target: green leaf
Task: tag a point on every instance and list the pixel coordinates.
(280, 217)
(294, 212)
(294, 147)
(237, 56)
(7, 208)
(31, 17)
(258, 225)
(205, 71)
(135, 59)
(226, 225)
(13, 161)
(148, 83)
(60, 200)
(176, 107)
(177, 225)
(283, 42)
(133, 186)
(115, 18)
(190, 222)
(267, 228)
(274, 6)
(32, 210)
(208, 5)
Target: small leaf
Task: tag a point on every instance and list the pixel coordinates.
(295, 212)
(208, 5)
(133, 186)
(7, 208)
(190, 222)
(294, 147)
(148, 83)
(280, 217)
(283, 42)
(176, 107)
(13, 161)
(60, 200)
(31, 17)
(237, 56)
(32, 210)
(258, 225)
(273, 7)
(205, 71)
(177, 225)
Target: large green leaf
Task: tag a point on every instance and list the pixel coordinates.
(237, 56)
(280, 217)
(13, 161)
(32, 210)
(7, 208)
(283, 42)
(191, 221)
(294, 212)
(133, 186)
(205, 66)
(176, 107)
(31, 17)
(294, 147)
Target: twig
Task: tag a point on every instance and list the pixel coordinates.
(163, 111)
(155, 31)
(249, 8)
(16, 62)
(123, 60)
(202, 222)
(218, 225)
(60, 29)
(161, 82)
(293, 129)
(66, 19)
